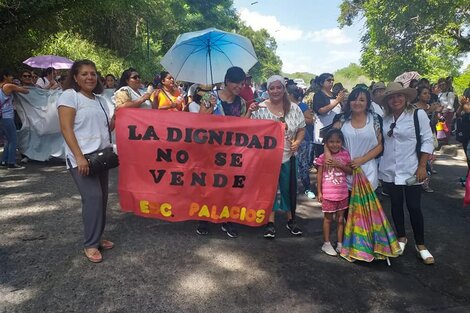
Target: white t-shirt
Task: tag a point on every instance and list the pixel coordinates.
(194, 107)
(447, 101)
(359, 141)
(323, 120)
(294, 119)
(43, 82)
(90, 125)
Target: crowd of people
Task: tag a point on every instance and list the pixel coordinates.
(386, 133)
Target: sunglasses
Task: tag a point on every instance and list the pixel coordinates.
(26, 76)
(135, 77)
(392, 126)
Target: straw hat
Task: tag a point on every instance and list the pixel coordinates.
(394, 88)
(202, 89)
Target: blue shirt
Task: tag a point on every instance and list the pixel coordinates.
(308, 127)
(7, 105)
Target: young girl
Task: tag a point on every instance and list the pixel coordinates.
(332, 187)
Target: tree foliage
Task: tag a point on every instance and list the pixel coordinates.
(401, 35)
(118, 33)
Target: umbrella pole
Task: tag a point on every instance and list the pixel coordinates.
(210, 60)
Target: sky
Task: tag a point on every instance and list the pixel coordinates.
(307, 33)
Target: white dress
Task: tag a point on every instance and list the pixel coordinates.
(359, 141)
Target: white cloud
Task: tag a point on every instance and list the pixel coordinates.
(342, 55)
(271, 24)
(333, 36)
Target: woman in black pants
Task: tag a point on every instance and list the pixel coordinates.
(408, 142)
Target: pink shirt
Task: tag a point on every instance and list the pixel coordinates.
(334, 186)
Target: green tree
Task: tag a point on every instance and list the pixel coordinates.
(117, 33)
(265, 47)
(402, 35)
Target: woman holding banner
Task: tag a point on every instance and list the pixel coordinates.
(84, 124)
(228, 103)
(279, 108)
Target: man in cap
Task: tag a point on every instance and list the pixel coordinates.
(378, 89)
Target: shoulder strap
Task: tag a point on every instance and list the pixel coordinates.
(107, 120)
(155, 103)
(339, 118)
(169, 98)
(417, 132)
(378, 123)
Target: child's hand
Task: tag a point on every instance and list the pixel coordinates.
(333, 162)
(320, 197)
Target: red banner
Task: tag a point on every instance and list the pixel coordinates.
(179, 166)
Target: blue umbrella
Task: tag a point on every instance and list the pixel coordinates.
(204, 56)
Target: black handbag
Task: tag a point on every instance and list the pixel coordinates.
(103, 159)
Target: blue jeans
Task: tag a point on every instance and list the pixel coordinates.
(9, 130)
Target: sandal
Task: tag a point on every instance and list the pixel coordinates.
(425, 255)
(402, 245)
(106, 244)
(93, 255)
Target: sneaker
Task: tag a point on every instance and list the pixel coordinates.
(339, 246)
(328, 249)
(202, 228)
(269, 231)
(229, 229)
(294, 229)
(428, 189)
(309, 194)
(4, 164)
(15, 167)
(24, 160)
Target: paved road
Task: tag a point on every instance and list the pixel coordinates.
(162, 267)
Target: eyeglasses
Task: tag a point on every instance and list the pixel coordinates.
(26, 76)
(135, 77)
(392, 126)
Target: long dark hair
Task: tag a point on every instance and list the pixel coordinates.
(353, 96)
(420, 90)
(320, 80)
(70, 80)
(125, 77)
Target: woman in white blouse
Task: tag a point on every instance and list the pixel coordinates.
(401, 168)
(447, 99)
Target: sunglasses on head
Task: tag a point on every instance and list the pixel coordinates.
(135, 77)
(392, 126)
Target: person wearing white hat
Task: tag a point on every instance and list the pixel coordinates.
(279, 108)
(408, 142)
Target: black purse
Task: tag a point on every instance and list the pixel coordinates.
(103, 159)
